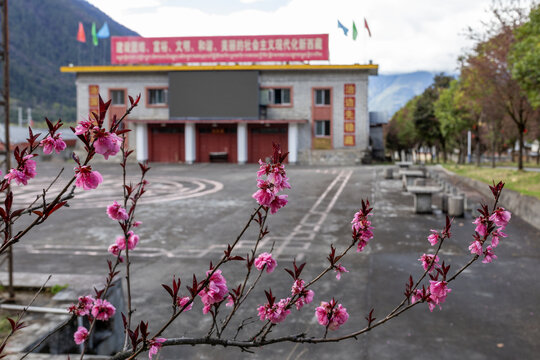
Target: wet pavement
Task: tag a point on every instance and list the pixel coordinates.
(192, 212)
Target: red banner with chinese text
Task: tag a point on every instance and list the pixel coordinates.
(139, 50)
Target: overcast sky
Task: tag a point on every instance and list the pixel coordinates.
(406, 35)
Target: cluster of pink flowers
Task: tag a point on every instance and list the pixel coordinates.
(215, 291)
(155, 345)
(331, 314)
(53, 143)
(117, 212)
(304, 296)
(361, 228)
(438, 290)
(121, 243)
(102, 310)
(182, 301)
(428, 262)
(80, 335)
(83, 127)
(83, 307)
(265, 260)
(275, 312)
(340, 269)
(500, 217)
(276, 180)
(434, 237)
(106, 143)
(88, 306)
(24, 172)
(86, 178)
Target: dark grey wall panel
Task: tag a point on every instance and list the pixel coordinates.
(213, 94)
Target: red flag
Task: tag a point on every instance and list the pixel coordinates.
(80, 35)
(367, 27)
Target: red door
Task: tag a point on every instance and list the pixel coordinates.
(260, 140)
(216, 143)
(166, 143)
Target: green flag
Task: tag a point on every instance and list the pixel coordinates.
(94, 35)
(354, 31)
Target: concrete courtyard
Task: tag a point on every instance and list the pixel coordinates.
(191, 212)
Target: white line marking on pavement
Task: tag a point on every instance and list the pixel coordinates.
(287, 248)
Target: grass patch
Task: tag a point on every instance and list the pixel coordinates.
(526, 183)
(55, 289)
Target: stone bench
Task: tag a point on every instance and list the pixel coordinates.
(409, 176)
(422, 197)
(404, 164)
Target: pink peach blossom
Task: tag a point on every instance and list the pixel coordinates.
(155, 345)
(489, 256)
(25, 171)
(49, 144)
(305, 297)
(434, 237)
(132, 242)
(103, 310)
(183, 301)
(86, 178)
(265, 260)
(476, 248)
(438, 292)
(481, 227)
(80, 335)
(83, 307)
(275, 313)
(501, 217)
(277, 203)
(331, 314)
(107, 144)
(215, 291)
(117, 212)
(339, 269)
(427, 259)
(83, 127)
(495, 237)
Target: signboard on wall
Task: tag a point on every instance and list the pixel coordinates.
(139, 50)
(349, 116)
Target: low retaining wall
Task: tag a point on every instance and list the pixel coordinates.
(524, 206)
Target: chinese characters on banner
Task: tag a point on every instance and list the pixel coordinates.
(139, 50)
(349, 116)
(93, 99)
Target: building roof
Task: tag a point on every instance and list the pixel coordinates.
(18, 134)
(372, 69)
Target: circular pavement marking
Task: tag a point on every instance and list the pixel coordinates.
(158, 190)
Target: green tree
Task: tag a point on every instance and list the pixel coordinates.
(525, 57)
(426, 123)
(456, 114)
(401, 134)
(525, 62)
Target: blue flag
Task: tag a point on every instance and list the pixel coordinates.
(104, 33)
(342, 27)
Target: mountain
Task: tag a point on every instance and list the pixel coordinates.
(43, 38)
(388, 93)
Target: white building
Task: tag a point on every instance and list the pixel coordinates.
(234, 112)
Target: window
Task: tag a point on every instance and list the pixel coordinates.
(118, 97)
(282, 97)
(157, 96)
(322, 97)
(322, 127)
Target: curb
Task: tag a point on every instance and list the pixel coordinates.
(524, 206)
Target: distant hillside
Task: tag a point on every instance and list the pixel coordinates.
(43, 38)
(388, 93)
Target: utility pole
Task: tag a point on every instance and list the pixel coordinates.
(4, 101)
